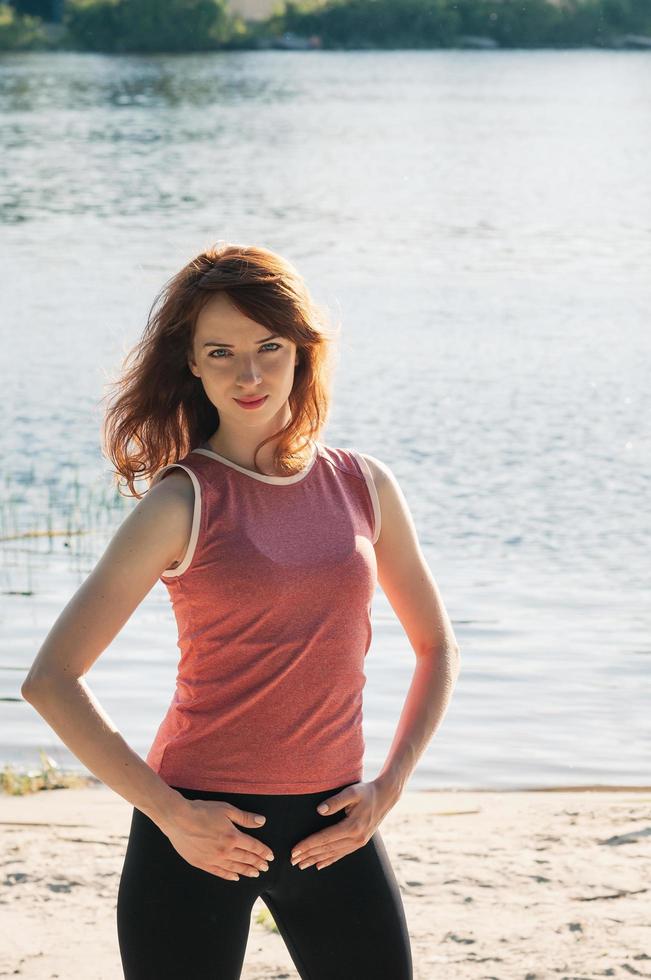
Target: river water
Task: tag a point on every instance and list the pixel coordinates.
(480, 223)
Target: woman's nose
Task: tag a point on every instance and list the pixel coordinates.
(249, 373)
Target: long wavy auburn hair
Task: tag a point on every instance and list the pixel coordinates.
(159, 411)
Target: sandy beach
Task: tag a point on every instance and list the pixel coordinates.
(529, 885)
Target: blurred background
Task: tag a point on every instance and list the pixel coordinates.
(467, 189)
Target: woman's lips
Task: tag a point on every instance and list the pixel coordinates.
(256, 404)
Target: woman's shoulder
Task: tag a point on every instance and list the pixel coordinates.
(177, 473)
(369, 463)
(174, 487)
(174, 502)
(380, 470)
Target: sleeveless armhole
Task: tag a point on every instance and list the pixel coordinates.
(372, 490)
(196, 520)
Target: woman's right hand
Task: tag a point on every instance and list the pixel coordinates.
(204, 833)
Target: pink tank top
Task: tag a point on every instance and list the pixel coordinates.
(273, 605)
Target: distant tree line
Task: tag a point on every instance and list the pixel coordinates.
(149, 25)
(204, 25)
(441, 23)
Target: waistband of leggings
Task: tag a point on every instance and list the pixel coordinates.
(203, 794)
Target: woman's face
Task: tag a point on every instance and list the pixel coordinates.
(236, 358)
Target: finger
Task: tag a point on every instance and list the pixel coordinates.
(332, 858)
(219, 872)
(318, 858)
(321, 852)
(242, 868)
(312, 852)
(310, 862)
(324, 864)
(326, 838)
(245, 869)
(342, 846)
(250, 858)
(250, 845)
(335, 803)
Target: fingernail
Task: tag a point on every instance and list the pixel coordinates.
(323, 808)
(296, 854)
(259, 820)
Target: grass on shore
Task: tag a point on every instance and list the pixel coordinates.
(15, 782)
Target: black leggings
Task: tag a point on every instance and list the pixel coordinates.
(344, 922)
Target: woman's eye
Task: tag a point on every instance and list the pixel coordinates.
(223, 350)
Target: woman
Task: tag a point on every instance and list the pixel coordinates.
(270, 544)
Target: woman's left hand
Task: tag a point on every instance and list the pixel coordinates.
(366, 805)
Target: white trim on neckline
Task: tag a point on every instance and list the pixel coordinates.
(283, 480)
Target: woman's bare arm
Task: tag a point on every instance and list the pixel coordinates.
(407, 582)
(153, 537)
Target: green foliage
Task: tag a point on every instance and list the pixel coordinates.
(437, 23)
(20, 32)
(375, 23)
(597, 22)
(206, 25)
(148, 25)
(43, 9)
(512, 23)
(628, 15)
(581, 22)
